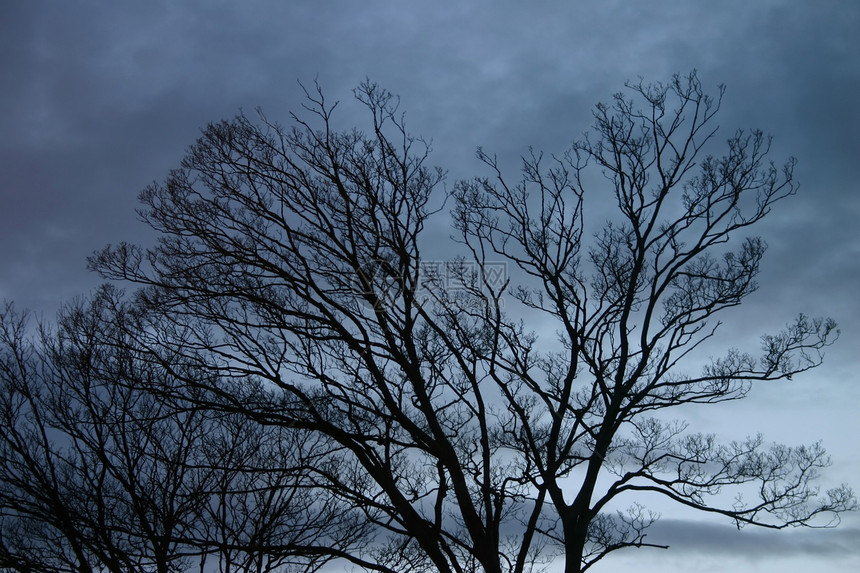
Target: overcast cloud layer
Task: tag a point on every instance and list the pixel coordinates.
(98, 99)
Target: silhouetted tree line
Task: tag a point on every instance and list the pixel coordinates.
(292, 384)
(101, 472)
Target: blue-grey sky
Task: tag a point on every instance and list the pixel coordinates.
(98, 99)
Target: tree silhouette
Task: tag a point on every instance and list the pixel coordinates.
(290, 263)
(101, 473)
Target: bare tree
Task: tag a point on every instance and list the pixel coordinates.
(96, 473)
(99, 472)
(293, 257)
(266, 512)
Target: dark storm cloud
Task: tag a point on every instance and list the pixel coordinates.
(720, 540)
(99, 100)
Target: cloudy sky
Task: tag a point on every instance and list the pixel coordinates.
(99, 99)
